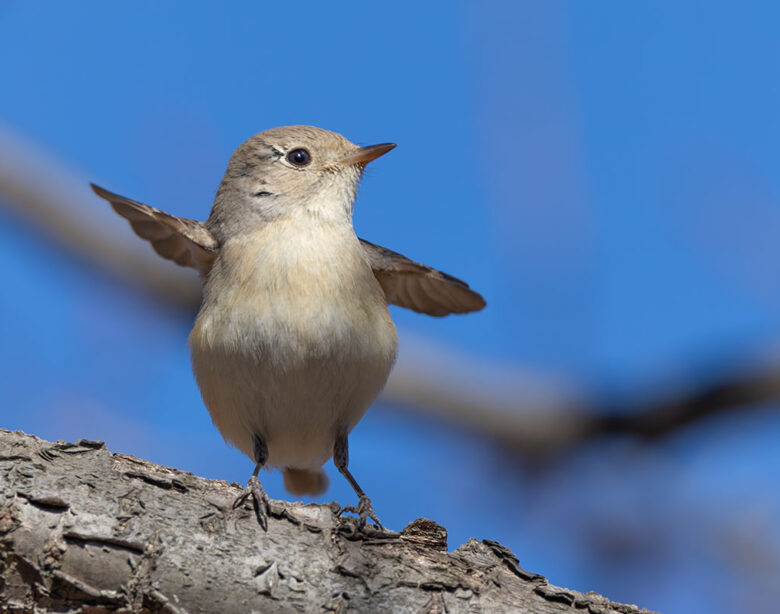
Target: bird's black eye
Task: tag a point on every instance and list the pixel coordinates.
(299, 157)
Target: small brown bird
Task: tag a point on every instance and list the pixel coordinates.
(293, 341)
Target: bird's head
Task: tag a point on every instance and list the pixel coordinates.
(293, 169)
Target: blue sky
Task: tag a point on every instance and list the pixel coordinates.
(605, 174)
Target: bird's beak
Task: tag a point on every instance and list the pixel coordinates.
(364, 155)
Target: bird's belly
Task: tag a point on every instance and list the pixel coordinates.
(294, 375)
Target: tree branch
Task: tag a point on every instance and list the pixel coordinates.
(81, 528)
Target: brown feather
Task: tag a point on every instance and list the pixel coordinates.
(419, 287)
(186, 242)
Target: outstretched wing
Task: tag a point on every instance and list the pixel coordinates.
(186, 242)
(418, 287)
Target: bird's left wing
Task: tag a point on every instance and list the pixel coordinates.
(186, 242)
(419, 287)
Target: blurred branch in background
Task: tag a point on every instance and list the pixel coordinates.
(58, 202)
(539, 429)
(535, 416)
(650, 421)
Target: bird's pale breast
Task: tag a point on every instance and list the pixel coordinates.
(293, 341)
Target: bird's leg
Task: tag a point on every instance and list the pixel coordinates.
(253, 488)
(364, 509)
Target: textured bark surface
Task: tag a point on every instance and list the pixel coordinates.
(84, 530)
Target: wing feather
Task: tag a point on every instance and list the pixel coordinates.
(419, 287)
(186, 242)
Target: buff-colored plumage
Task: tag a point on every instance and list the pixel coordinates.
(293, 341)
(321, 362)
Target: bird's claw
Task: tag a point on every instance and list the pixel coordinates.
(260, 501)
(364, 510)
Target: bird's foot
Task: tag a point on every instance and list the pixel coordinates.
(259, 501)
(364, 510)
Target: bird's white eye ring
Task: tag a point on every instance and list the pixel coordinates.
(299, 157)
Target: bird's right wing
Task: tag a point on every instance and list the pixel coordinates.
(186, 242)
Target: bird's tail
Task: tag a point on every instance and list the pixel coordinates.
(305, 481)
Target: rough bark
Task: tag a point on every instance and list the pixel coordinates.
(84, 530)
